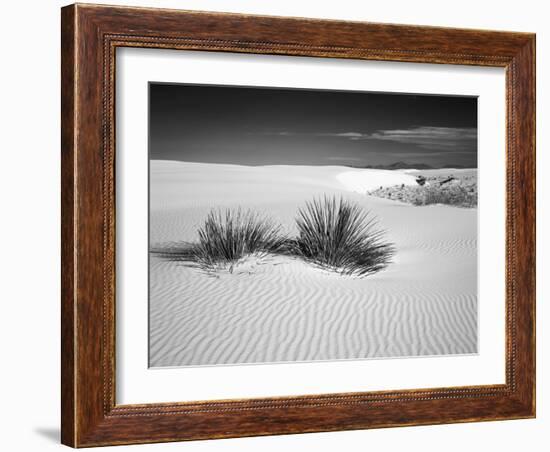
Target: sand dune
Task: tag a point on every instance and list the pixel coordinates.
(361, 181)
(279, 309)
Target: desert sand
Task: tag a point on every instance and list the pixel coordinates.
(279, 309)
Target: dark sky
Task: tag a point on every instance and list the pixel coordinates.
(275, 126)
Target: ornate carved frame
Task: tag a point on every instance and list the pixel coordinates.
(90, 36)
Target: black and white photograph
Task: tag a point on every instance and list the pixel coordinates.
(296, 225)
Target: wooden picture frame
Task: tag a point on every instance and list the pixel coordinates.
(90, 36)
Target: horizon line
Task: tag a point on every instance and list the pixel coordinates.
(313, 164)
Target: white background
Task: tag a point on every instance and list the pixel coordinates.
(138, 384)
(30, 225)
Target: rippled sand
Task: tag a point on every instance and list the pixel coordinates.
(278, 309)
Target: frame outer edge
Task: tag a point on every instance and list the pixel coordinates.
(534, 225)
(525, 62)
(68, 230)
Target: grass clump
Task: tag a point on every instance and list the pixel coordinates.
(226, 236)
(333, 233)
(229, 235)
(339, 235)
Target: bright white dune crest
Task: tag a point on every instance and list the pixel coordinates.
(281, 309)
(361, 181)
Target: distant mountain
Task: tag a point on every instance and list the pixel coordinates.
(405, 165)
(401, 165)
(455, 166)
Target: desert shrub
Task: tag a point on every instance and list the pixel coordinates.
(453, 195)
(457, 195)
(225, 237)
(339, 235)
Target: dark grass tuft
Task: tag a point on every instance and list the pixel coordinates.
(337, 234)
(227, 236)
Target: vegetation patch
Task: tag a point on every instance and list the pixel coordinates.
(458, 192)
(337, 234)
(227, 236)
(333, 233)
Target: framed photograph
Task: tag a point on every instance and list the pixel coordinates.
(280, 225)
